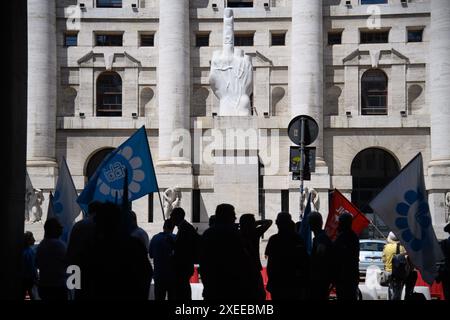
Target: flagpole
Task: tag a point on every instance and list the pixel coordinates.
(156, 179)
(302, 162)
(376, 228)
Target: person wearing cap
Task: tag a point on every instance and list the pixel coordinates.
(392, 248)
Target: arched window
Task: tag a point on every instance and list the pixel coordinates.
(95, 161)
(374, 86)
(109, 95)
(372, 169)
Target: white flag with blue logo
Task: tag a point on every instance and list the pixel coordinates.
(65, 206)
(403, 206)
(107, 183)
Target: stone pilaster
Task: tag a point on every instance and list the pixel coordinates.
(306, 87)
(306, 69)
(439, 102)
(42, 88)
(174, 84)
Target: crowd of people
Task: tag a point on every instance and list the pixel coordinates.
(117, 259)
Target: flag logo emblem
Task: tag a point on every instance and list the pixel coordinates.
(414, 201)
(110, 181)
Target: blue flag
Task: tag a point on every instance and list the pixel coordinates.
(305, 230)
(133, 160)
(64, 202)
(403, 206)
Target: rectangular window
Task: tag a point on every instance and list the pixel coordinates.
(243, 39)
(285, 200)
(195, 205)
(374, 36)
(278, 38)
(150, 208)
(109, 3)
(334, 37)
(374, 1)
(147, 40)
(240, 3)
(108, 40)
(202, 40)
(70, 39)
(415, 35)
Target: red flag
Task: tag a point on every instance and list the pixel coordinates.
(339, 205)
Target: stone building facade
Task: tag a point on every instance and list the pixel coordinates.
(374, 74)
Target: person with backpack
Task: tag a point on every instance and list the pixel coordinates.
(397, 265)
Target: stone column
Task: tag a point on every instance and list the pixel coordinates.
(439, 82)
(42, 85)
(439, 102)
(306, 69)
(174, 82)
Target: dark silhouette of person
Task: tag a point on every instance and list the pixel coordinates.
(138, 232)
(212, 221)
(320, 259)
(228, 270)
(185, 254)
(161, 251)
(51, 262)
(29, 270)
(346, 259)
(410, 281)
(251, 232)
(444, 270)
(117, 265)
(287, 261)
(81, 239)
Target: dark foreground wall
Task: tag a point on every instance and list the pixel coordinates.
(13, 147)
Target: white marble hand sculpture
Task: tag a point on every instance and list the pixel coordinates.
(315, 200)
(231, 75)
(172, 199)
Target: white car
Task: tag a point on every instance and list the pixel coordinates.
(370, 253)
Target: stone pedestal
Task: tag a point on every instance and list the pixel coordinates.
(174, 174)
(236, 169)
(43, 175)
